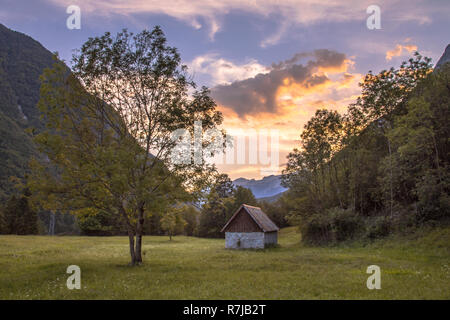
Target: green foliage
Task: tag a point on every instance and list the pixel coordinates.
(433, 199)
(64, 223)
(190, 214)
(241, 196)
(379, 227)
(152, 225)
(19, 217)
(222, 185)
(22, 61)
(173, 222)
(317, 229)
(221, 203)
(335, 225)
(214, 215)
(278, 211)
(346, 224)
(100, 223)
(389, 153)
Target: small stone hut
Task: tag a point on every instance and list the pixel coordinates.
(250, 227)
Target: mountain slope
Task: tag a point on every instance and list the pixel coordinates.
(22, 61)
(273, 198)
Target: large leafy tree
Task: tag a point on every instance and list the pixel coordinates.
(110, 131)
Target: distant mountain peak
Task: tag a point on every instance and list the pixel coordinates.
(266, 187)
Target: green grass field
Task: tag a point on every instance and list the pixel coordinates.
(414, 267)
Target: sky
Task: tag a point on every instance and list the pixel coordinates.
(270, 64)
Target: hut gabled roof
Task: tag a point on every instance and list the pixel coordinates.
(261, 219)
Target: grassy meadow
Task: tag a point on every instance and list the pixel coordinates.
(412, 267)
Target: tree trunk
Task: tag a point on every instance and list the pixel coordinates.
(338, 191)
(130, 233)
(139, 231)
(390, 180)
(51, 227)
(437, 157)
(132, 252)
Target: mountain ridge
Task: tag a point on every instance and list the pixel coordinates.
(22, 61)
(266, 187)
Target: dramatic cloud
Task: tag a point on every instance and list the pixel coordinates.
(260, 93)
(285, 98)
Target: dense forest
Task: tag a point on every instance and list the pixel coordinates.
(383, 166)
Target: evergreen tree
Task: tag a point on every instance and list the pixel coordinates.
(11, 215)
(20, 218)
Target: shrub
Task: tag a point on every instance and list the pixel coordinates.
(379, 227)
(317, 229)
(346, 224)
(433, 198)
(334, 225)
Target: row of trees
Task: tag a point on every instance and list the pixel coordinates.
(382, 164)
(175, 220)
(204, 219)
(20, 216)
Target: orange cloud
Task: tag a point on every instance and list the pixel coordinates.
(261, 93)
(398, 50)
